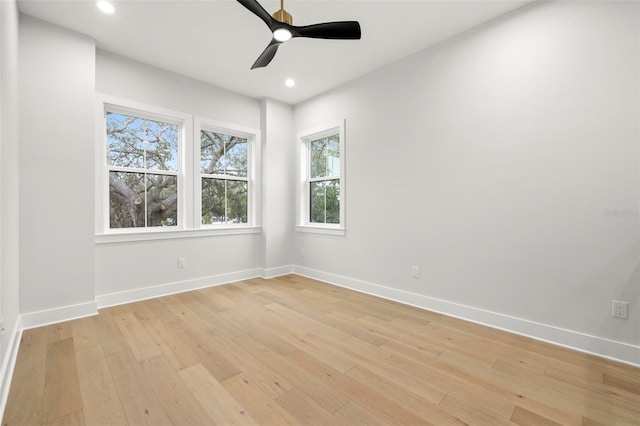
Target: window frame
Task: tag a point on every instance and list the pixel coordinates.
(103, 168)
(305, 138)
(253, 171)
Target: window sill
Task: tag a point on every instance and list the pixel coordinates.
(321, 230)
(173, 234)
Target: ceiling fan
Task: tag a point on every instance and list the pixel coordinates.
(281, 26)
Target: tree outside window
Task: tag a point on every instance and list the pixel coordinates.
(324, 180)
(225, 178)
(143, 167)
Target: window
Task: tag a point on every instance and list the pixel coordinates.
(227, 167)
(322, 180)
(225, 183)
(164, 174)
(143, 169)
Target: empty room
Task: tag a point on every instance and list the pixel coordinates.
(319, 212)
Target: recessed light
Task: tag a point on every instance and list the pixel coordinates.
(289, 82)
(105, 7)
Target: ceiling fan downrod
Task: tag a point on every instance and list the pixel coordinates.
(282, 15)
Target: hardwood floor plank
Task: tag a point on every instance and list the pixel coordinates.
(83, 333)
(161, 332)
(353, 414)
(141, 344)
(263, 408)
(305, 409)
(627, 384)
(27, 386)
(58, 332)
(61, 387)
(617, 393)
(574, 399)
(160, 312)
(100, 402)
(176, 398)
(528, 418)
(73, 419)
(108, 333)
(264, 377)
(391, 366)
(322, 394)
(424, 403)
(384, 408)
(470, 412)
(138, 400)
(190, 348)
(214, 398)
(183, 313)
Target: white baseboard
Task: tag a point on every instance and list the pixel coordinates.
(136, 295)
(8, 365)
(618, 351)
(52, 316)
(277, 272)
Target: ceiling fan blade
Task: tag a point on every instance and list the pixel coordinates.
(267, 55)
(258, 10)
(344, 30)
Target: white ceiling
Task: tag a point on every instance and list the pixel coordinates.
(217, 41)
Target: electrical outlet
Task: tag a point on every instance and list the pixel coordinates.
(301, 251)
(619, 309)
(181, 262)
(415, 271)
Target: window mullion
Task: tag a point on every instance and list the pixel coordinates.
(146, 202)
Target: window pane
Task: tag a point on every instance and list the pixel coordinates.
(211, 153)
(224, 201)
(162, 200)
(325, 157)
(318, 158)
(213, 201)
(223, 154)
(236, 153)
(237, 201)
(134, 197)
(333, 156)
(141, 143)
(325, 201)
(126, 200)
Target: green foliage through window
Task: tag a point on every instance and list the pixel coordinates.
(324, 180)
(224, 171)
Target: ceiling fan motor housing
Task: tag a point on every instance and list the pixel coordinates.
(283, 16)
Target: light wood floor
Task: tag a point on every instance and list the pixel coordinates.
(295, 351)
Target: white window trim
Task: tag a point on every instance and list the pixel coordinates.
(185, 193)
(189, 203)
(253, 152)
(304, 137)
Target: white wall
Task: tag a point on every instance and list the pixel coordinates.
(56, 167)
(278, 166)
(9, 197)
(491, 162)
(129, 79)
(130, 270)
